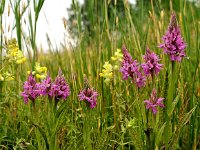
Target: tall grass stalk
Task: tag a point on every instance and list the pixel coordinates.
(33, 18)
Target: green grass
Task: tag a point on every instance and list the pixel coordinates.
(120, 119)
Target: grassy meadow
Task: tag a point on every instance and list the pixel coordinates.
(120, 119)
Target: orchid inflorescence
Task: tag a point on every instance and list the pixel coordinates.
(88, 94)
(59, 89)
(151, 65)
(130, 68)
(173, 45)
(154, 102)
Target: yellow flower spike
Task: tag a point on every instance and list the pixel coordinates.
(107, 66)
(113, 58)
(43, 76)
(101, 74)
(40, 69)
(20, 58)
(13, 52)
(37, 67)
(40, 72)
(117, 59)
(40, 76)
(44, 69)
(110, 75)
(117, 56)
(21, 61)
(107, 72)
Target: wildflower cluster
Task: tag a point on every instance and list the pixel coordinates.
(59, 89)
(88, 94)
(174, 44)
(130, 68)
(108, 68)
(13, 54)
(31, 89)
(39, 72)
(117, 58)
(151, 65)
(107, 72)
(154, 102)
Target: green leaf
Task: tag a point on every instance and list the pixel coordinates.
(42, 132)
(182, 123)
(159, 135)
(174, 103)
(61, 109)
(187, 116)
(2, 6)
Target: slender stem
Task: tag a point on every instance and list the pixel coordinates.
(34, 38)
(86, 130)
(34, 112)
(170, 97)
(114, 107)
(1, 83)
(1, 37)
(56, 104)
(147, 132)
(153, 79)
(171, 87)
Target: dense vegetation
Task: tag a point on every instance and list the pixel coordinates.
(100, 92)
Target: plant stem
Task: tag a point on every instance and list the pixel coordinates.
(170, 97)
(153, 79)
(171, 87)
(87, 130)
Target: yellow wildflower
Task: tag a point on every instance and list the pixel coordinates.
(117, 58)
(39, 72)
(40, 69)
(13, 52)
(107, 72)
(12, 47)
(40, 76)
(28, 72)
(20, 58)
